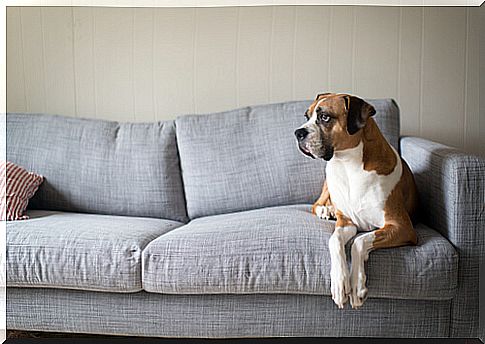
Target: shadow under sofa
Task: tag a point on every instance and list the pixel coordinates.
(201, 227)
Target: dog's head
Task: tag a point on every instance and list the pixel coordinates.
(334, 123)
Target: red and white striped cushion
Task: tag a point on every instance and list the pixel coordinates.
(17, 186)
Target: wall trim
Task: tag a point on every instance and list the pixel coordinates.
(230, 3)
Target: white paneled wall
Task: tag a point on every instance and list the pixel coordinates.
(143, 64)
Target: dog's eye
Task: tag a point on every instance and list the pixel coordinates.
(324, 118)
(306, 115)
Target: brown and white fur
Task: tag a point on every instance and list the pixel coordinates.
(368, 187)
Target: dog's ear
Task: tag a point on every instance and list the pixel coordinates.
(358, 111)
(322, 94)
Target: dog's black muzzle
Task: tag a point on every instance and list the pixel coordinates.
(301, 134)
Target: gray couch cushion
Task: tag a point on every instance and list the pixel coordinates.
(285, 250)
(79, 251)
(248, 158)
(98, 166)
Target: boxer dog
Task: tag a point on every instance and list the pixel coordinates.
(368, 187)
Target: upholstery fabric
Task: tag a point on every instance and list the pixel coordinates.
(220, 316)
(285, 250)
(248, 158)
(17, 186)
(452, 192)
(100, 167)
(80, 251)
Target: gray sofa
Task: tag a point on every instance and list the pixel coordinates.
(201, 227)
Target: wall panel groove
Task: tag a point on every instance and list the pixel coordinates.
(83, 62)
(133, 94)
(23, 63)
(46, 100)
(399, 60)
(236, 56)
(329, 46)
(293, 52)
(154, 103)
(270, 56)
(472, 121)
(354, 50)
(421, 72)
(93, 40)
(194, 59)
(73, 50)
(465, 77)
(143, 65)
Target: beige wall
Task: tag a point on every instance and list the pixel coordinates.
(147, 64)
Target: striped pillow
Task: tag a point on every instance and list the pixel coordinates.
(17, 186)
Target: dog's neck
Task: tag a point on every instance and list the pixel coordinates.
(373, 151)
(350, 155)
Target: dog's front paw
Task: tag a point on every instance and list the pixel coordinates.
(340, 286)
(359, 290)
(325, 212)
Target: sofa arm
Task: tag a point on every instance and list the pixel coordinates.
(451, 187)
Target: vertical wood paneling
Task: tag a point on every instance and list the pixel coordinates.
(340, 71)
(254, 45)
(143, 64)
(281, 54)
(33, 59)
(443, 74)
(84, 61)
(376, 52)
(409, 70)
(311, 47)
(173, 62)
(113, 48)
(471, 133)
(59, 60)
(15, 73)
(481, 28)
(215, 74)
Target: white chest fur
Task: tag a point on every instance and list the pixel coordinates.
(359, 194)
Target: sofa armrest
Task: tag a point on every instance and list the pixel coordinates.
(451, 187)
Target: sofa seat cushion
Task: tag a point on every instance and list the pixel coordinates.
(79, 251)
(285, 250)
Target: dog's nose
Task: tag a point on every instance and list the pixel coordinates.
(301, 133)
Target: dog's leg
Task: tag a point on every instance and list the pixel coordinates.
(323, 207)
(323, 199)
(359, 254)
(396, 232)
(339, 273)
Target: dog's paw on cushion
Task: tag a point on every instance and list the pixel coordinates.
(325, 212)
(17, 186)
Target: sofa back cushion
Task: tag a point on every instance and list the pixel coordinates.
(248, 158)
(102, 167)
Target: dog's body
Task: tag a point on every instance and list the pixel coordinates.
(368, 187)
